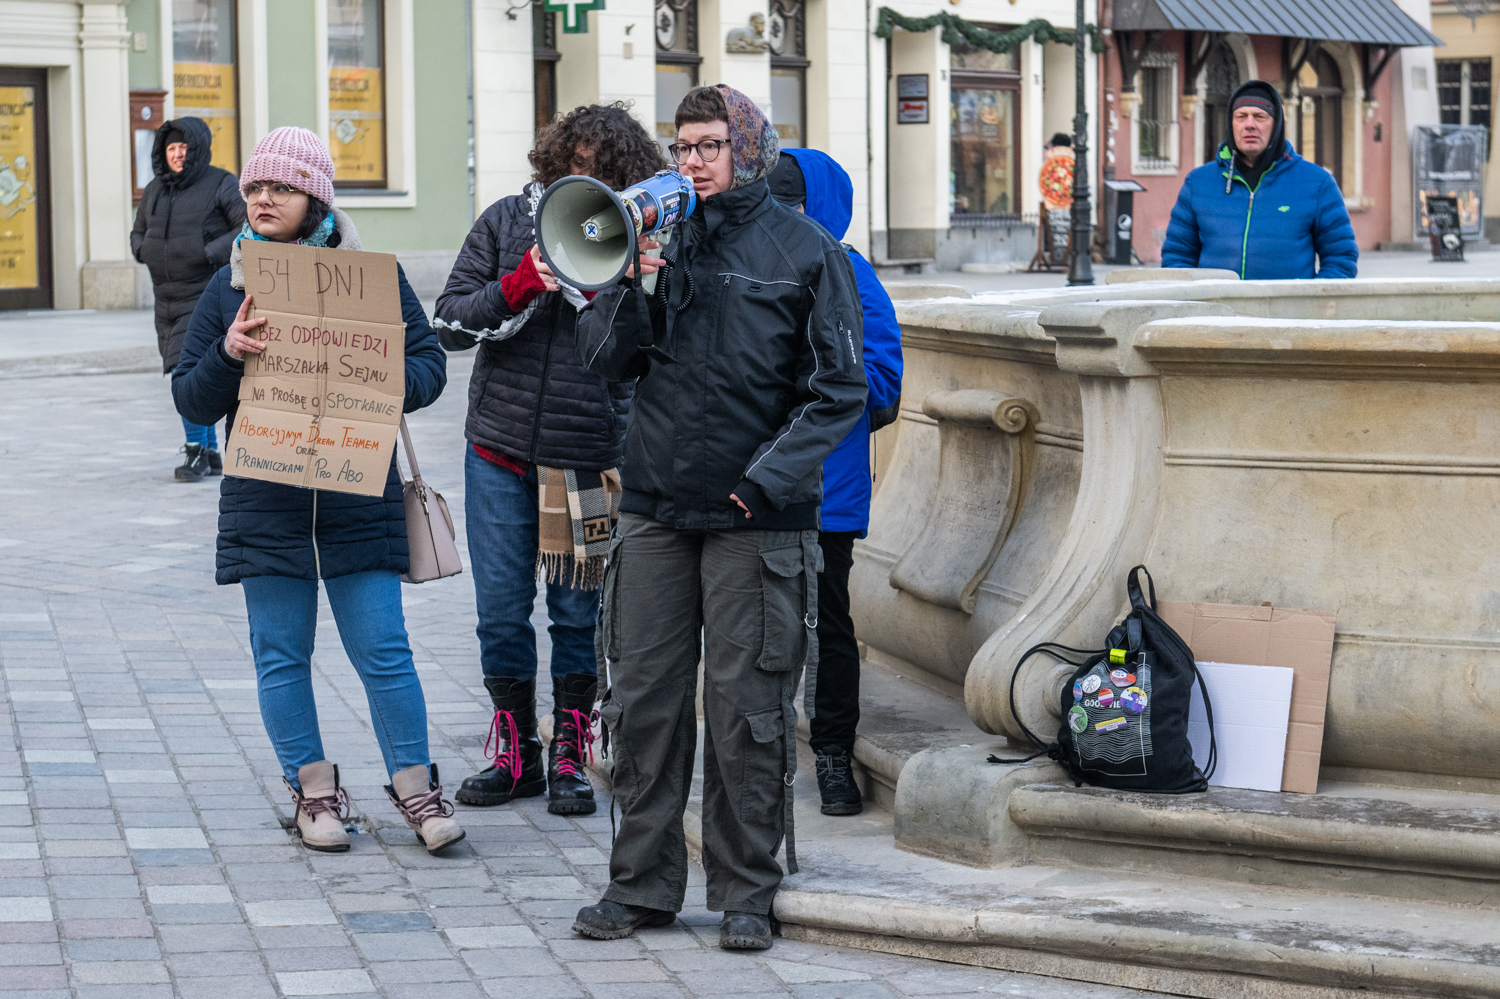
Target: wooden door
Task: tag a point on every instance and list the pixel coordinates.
(146, 116)
(25, 191)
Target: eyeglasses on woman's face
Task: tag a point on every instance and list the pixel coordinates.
(708, 150)
(278, 192)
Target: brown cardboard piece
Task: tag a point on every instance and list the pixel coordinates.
(319, 407)
(1270, 636)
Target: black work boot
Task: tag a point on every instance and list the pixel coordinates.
(612, 920)
(194, 467)
(513, 744)
(568, 789)
(836, 782)
(745, 931)
(215, 462)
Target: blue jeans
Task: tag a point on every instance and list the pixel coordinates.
(203, 436)
(367, 608)
(500, 510)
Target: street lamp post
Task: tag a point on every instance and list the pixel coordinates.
(1081, 266)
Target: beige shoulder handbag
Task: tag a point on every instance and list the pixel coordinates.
(429, 528)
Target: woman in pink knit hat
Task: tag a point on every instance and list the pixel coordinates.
(278, 541)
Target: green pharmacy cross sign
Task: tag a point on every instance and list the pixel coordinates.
(575, 13)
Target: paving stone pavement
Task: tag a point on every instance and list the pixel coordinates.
(141, 848)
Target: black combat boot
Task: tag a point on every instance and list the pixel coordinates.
(613, 920)
(194, 467)
(836, 782)
(568, 789)
(513, 744)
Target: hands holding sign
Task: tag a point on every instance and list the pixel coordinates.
(238, 342)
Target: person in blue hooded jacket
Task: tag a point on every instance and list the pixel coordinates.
(1258, 208)
(814, 182)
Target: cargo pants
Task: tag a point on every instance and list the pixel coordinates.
(746, 599)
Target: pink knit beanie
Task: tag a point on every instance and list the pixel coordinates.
(293, 156)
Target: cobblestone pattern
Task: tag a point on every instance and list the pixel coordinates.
(141, 848)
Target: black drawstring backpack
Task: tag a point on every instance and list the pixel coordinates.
(1125, 710)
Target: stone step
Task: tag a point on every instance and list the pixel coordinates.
(1416, 844)
(1108, 924)
(903, 711)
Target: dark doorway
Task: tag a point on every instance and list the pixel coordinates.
(25, 195)
(1221, 79)
(544, 57)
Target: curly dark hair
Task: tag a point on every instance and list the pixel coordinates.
(621, 151)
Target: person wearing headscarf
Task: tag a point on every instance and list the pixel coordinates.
(811, 181)
(188, 218)
(1258, 208)
(749, 360)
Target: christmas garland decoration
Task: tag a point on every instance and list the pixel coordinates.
(956, 29)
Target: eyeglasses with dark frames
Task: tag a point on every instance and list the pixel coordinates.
(708, 150)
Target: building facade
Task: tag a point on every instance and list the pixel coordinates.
(1464, 68)
(1354, 78)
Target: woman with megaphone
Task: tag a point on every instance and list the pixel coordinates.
(545, 436)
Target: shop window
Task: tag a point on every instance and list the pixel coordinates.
(1320, 114)
(985, 130)
(356, 92)
(1464, 92)
(203, 72)
(544, 57)
(1156, 114)
(1221, 80)
(787, 35)
(677, 61)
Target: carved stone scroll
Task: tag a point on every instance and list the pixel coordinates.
(986, 441)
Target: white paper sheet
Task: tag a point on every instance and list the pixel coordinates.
(1251, 708)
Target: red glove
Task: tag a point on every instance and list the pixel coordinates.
(522, 285)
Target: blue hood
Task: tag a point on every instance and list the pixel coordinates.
(830, 192)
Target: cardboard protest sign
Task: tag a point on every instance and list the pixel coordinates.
(1301, 640)
(320, 405)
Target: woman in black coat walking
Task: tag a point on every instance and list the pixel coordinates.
(184, 228)
(278, 541)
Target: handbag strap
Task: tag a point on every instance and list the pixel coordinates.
(411, 454)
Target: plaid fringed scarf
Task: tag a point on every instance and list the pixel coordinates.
(576, 512)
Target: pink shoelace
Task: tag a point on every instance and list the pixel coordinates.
(505, 736)
(580, 740)
(427, 805)
(336, 804)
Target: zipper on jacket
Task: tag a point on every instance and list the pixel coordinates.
(541, 392)
(317, 558)
(1245, 242)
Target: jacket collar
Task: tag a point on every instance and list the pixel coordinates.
(737, 205)
(348, 240)
(1227, 165)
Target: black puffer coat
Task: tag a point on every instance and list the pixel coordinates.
(768, 379)
(530, 396)
(183, 230)
(270, 529)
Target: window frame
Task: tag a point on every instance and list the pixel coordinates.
(1157, 165)
(399, 55)
(984, 79)
(1466, 94)
(794, 62)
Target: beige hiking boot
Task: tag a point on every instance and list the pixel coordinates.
(418, 796)
(322, 807)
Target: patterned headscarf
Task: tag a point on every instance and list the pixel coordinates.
(751, 136)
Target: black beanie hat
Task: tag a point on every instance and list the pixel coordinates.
(788, 186)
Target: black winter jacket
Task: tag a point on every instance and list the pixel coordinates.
(269, 529)
(767, 336)
(184, 228)
(530, 396)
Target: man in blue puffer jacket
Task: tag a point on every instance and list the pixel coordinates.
(1258, 208)
(815, 183)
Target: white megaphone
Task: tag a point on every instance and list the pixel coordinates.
(587, 233)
